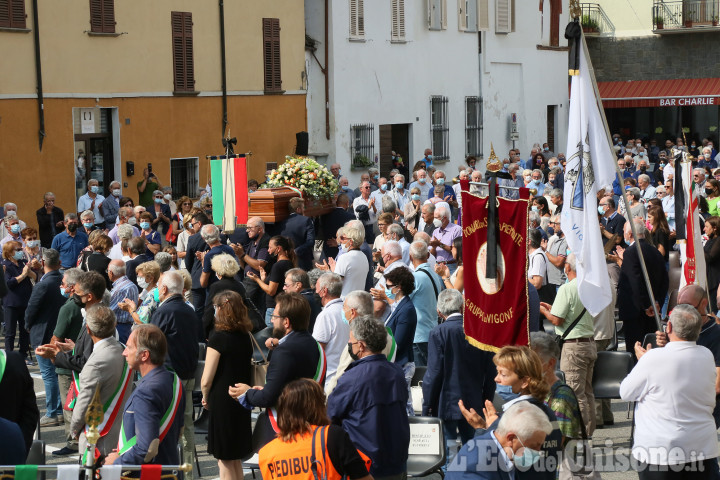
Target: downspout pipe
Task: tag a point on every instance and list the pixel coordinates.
(38, 76)
(327, 74)
(222, 68)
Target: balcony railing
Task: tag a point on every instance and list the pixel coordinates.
(683, 14)
(594, 20)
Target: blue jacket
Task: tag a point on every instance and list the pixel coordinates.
(402, 321)
(18, 293)
(370, 402)
(165, 210)
(42, 310)
(301, 230)
(456, 370)
(142, 418)
(194, 266)
(478, 459)
(181, 328)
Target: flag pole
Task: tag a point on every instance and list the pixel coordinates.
(620, 182)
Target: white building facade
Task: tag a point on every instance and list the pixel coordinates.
(406, 75)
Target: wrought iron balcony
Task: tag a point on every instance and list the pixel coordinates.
(678, 16)
(595, 21)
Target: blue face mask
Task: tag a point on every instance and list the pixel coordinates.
(534, 208)
(536, 182)
(389, 293)
(344, 318)
(399, 185)
(376, 177)
(158, 200)
(430, 157)
(15, 228)
(422, 180)
(345, 188)
(87, 224)
(440, 181)
(19, 255)
(601, 210)
(64, 293)
(415, 197)
(94, 189)
(505, 391)
(144, 225)
(383, 187)
(528, 457)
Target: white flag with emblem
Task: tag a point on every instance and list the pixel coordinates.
(589, 166)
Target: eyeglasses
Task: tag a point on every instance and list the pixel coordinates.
(277, 316)
(390, 286)
(383, 224)
(187, 204)
(289, 284)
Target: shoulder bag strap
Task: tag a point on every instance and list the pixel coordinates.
(431, 280)
(256, 346)
(572, 325)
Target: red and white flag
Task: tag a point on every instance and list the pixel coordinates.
(691, 247)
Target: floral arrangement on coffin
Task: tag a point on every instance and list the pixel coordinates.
(305, 174)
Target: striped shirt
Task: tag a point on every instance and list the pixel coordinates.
(122, 288)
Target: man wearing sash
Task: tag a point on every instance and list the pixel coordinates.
(153, 414)
(106, 369)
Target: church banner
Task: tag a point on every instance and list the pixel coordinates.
(496, 310)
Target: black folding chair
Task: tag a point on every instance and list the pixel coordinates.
(611, 367)
(422, 463)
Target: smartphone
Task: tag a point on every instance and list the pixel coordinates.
(149, 169)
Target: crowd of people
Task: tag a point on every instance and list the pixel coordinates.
(347, 306)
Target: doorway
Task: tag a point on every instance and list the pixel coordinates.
(395, 137)
(94, 157)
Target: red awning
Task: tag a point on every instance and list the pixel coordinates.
(660, 93)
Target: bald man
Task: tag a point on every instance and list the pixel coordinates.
(696, 296)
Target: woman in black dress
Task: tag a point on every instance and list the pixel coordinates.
(228, 362)
(712, 258)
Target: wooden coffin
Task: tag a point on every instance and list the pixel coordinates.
(271, 204)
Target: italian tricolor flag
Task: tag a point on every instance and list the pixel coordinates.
(229, 192)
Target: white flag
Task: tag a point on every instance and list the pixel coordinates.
(692, 255)
(589, 166)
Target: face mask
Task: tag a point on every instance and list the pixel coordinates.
(601, 210)
(158, 200)
(64, 293)
(527, 178)
(662, 164)
(15, 228)
(144, 225)
(642, 154)
(390, 295)
(94, 189)
(622, 170)
(415, 197)
(534, 208)
(344, 318)
(709, 191)
(430, 157)
(383, 187)
(422, 181)
(116, 192)
(78, 301)
(536, 182)
(399, 185)
(440, 181)
(505, 391)
(352, 355)
(72, 227)
(142, 283)
(437, 223)
(33, 243)
(707, 175)
(546, 149)
(156, 295)
(132, 220)
(87, 224)
(638, 144)
(345, 188)
(168, 197)
(19, 255)
(643, 168)
(376, 177)
(527, 459)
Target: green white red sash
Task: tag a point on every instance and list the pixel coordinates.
(393, 346)
(125, 444)
(3, 361)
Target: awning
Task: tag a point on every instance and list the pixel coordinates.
(660, 93)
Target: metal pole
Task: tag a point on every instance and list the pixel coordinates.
(620, 182)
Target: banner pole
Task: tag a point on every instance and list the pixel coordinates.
(620, 182)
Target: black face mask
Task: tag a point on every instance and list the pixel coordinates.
(72, 227)
(78, 301)
(352, 355)
(709, 191)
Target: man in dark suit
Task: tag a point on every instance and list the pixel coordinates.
(40, 319)
(157, 393)
(612, 226)
(18, 403)
(301, 231)
(481, 458)
(195, 246)
(455, 371)
(253, 256)
(137, 254)
(50, 220)
(634, 304)
(332, 221)
(179, 323)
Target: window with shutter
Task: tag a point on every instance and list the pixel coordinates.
(182, 42)
(473, 126)
(462, 15)
(102, 16)
(468, 15)
(12, 14)
(483, 16)
(398, 20)
(503, 16)
(357, 19)
(271, 55)
(437, 14)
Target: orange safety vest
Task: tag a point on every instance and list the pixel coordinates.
(294, 460)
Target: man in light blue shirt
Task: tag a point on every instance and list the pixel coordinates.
(122, 288)
(70, 242)
(423, 184)
(399, 193)
(428, 286)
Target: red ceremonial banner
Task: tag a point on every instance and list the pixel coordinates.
(496, 310)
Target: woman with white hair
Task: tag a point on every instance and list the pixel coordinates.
(225, 267)
(352, 265)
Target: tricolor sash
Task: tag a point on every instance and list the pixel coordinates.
(321, 366)
(393, 346)
(3, 361)
(125, 444)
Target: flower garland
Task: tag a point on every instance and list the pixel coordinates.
(305, 174)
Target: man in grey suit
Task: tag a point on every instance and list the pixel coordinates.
(107, 369)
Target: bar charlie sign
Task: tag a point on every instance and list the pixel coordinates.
(496, 309)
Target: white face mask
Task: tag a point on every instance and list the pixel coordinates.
(142, 283)
(116, 192)
(132, 220)
(437, 223)
(167, 197)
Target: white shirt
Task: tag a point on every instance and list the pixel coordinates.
(84, 203)
(457, 189)
(401, 199)
(674, 388)
(353, 267)
(115, 252)
(538, 265)
(668, 204)
(378, 195)
(405, 246)
(424, 189)
(668, 171)
(331, 330)
(373, 214)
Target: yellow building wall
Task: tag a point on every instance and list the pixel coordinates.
(140, 60)
(160, 129)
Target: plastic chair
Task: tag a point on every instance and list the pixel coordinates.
(36, 455)
(610, 370)
(420, 461)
